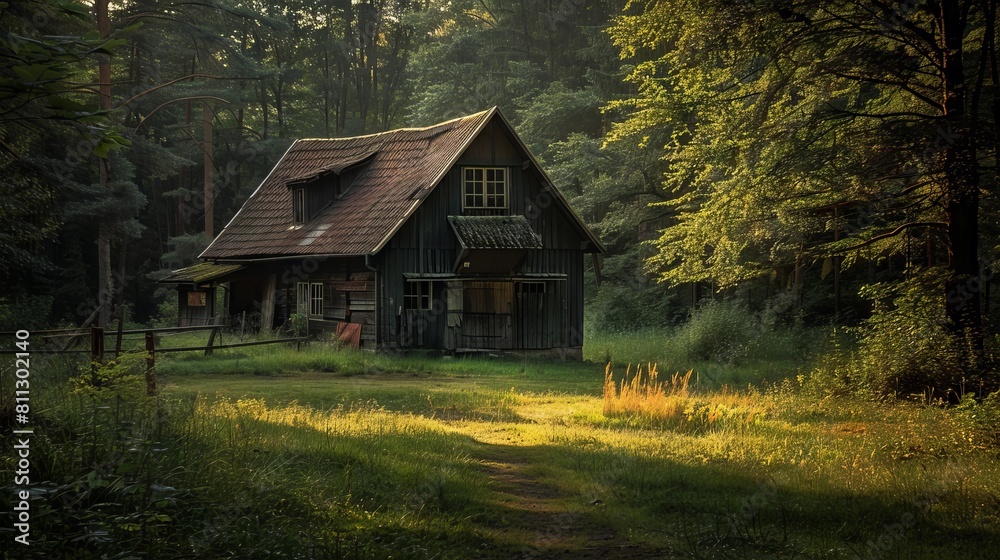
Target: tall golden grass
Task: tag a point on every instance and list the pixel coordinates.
(672, 401)
(643, 393)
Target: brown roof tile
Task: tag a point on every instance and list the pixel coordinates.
(404, 165)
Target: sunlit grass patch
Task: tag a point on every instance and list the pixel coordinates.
(672, 402)
(396, 460)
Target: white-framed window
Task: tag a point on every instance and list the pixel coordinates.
(418, 296)
(309, 298)
(485, 188)
(316, 308)
(299, 206)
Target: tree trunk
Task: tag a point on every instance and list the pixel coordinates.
(105, 280)
(326, 91)
(961, 177)
(209, 170)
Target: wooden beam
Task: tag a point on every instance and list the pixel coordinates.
(267, 304)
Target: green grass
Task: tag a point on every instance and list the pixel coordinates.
(766, 359)
(277, 453)
(821, 478)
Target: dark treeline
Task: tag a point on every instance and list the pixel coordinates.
(817, 162)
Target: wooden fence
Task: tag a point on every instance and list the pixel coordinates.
(71, 338)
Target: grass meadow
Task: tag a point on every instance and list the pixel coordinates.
(269, 452)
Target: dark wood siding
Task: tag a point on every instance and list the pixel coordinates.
(426, 245)
(195, 315)
(349, 293)
(492, 147)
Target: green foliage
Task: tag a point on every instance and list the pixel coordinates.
(620, 308)
(299, 323)
(778, 123)
(983, 417)
(184, 249)
(167, 311)
(24, 311)
(556, 113)
(762, 143)
(905, 348)
(122, 377)
(39, 79)
(718, 331)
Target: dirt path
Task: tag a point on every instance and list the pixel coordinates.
(560, 526)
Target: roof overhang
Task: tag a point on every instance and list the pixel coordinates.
(202, 274)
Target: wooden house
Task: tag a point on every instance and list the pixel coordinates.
(448, 237)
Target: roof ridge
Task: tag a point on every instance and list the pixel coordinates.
(404, 129)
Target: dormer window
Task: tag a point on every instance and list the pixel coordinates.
(299, 206)
(485, 188)
(314, 191)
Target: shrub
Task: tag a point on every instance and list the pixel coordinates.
(123, 377)
(24, 312)
(166, 313)
(298, 324)
(718, 331)
(983, 418)
(904, 348)
(620, 308)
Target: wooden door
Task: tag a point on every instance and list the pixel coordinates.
(487, 316)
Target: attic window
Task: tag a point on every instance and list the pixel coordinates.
(299, 206)
(485, 188)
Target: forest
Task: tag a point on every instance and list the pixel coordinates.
(796, 198)
(811, 163)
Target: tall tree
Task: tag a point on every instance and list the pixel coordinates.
(817, 128)
(43, 95)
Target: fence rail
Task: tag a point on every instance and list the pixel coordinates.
(98, 334)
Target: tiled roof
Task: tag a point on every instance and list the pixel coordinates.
(201, 272)
(494, 232)
(405, 165)
(337, 167)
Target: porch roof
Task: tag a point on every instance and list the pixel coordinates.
(200, 273)
(494, 232)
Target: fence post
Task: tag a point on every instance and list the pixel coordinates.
(211, 339)
(243, 324)
(150, 364)
(96, 344)
(118, 338)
